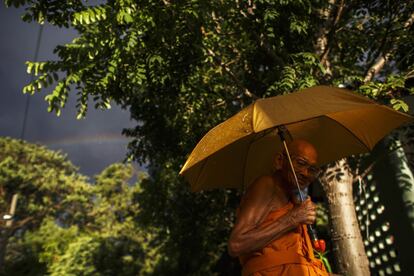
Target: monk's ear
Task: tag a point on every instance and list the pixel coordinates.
(278, 162)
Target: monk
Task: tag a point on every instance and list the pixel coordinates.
(270, 235)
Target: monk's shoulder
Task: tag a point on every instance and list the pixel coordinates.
(257, 196)
(263, 186)
(265, 181)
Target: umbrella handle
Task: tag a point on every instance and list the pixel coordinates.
(312, 233)
(282, 131)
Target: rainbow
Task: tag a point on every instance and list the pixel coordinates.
(102, 138)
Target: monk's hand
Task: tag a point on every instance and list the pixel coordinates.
(305, 213)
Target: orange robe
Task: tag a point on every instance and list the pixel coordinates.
(290, 254)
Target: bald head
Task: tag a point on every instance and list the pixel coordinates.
(305, 158)
(304, 149)
(299, 148)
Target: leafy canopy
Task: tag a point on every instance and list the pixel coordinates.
(66, 225)
(182, 67)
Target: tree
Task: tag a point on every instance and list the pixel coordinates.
(43, 179)
(65, 225)
(182, 67)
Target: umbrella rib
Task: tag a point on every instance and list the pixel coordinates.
(262, 133)
(353, 134)
(201, 170)
(245, 161)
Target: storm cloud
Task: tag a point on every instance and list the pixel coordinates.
(91, 143)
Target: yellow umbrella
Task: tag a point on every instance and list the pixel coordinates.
(338, 122)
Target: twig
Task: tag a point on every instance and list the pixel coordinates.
(380, 158)
(230, 73)
(322, 41)
(339, 12)
(379, 64)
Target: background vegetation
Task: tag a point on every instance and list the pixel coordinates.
(181, 67)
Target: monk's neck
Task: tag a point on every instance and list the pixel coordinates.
(282, 194)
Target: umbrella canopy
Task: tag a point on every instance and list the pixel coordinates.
(338, 122)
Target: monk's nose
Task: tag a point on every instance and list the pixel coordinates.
(306, 173)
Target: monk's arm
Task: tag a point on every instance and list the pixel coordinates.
(246, 235)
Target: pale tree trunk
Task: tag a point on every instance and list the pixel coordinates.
(337, 181)
(346, 236)
(331, 14)
(385, 56)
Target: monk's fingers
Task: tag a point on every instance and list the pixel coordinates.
(311, 219)
(305, 202)
(309, 204)
(311, 207)
(312, 215)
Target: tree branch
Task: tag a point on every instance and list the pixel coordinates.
(339, 12)
(322, 41)
(22, 222)
(381, 61)
(233, 77)
(268, 49)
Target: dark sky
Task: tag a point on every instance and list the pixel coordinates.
(92, 143)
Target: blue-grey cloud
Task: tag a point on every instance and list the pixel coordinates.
(90, 148)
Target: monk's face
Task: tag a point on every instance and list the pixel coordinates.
(304, 158)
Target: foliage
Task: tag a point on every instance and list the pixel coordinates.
(78, 227)
(181, 67)
(43, 179)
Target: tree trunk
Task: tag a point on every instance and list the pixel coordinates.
(346, 236)
(4, 238)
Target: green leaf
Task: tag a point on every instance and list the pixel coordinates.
(29, 67)
(128, 18)
(92, 16)
(399, 105)
(86, 17)
(76, 18)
